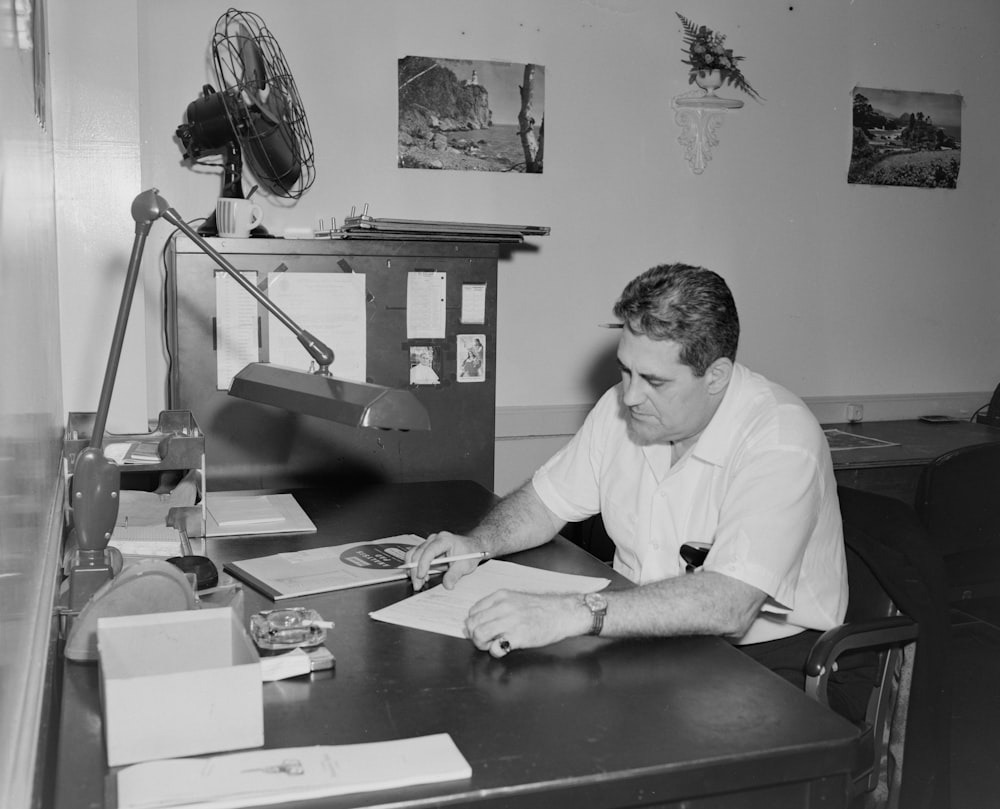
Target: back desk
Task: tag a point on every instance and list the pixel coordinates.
(587, 722)
(895, 470)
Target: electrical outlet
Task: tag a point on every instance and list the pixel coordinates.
(855, 413)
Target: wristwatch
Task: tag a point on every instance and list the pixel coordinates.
(598, 606)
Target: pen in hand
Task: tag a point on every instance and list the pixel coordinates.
(447, 560)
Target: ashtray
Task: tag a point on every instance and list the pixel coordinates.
(288, 628)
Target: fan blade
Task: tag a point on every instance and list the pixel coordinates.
(254, 74)
(275, 162)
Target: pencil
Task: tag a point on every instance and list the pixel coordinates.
(447, 560)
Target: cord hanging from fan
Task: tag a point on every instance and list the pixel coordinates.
(256, 116)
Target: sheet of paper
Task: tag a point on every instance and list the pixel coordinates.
(236, 336)
(425, 304)
(279, 775)
(839, 440)
(444, 611)
(329, 305)
(148, 540)
(473, 303)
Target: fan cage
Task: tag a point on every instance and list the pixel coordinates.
(262, 126)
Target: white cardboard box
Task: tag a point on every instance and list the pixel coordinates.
(178, 684)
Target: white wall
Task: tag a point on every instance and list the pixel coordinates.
(30, 402)
(95, 128)
(844, 291)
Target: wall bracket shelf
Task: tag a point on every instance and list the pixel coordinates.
(699, 116)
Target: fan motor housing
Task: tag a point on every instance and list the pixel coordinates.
(208, 127)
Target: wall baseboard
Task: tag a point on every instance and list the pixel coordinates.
(552, 420)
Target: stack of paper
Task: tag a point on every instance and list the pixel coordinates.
(242, 514)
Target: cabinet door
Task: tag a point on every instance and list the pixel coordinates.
(249, 445)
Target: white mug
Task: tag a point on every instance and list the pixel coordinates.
(235, 218)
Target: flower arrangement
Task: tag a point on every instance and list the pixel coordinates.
(706, 51)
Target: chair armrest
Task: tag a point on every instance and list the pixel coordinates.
(863, 634)
(822, 660)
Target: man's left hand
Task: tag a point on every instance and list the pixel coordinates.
(508, 620)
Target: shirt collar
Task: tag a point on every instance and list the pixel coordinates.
(715, 441)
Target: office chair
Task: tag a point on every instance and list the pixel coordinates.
(958, 500)
(896, 618)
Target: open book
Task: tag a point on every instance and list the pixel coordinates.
(320, 570)
(289, 774)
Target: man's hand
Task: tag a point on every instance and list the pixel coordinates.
(443, 543)
(507, 620)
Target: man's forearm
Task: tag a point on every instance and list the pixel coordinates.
(518, 522)
(691, 604)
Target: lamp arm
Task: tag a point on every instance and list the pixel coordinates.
(97, 479)
(317, 349)
(118, 337)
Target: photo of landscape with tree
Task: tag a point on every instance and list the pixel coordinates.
(906, 138)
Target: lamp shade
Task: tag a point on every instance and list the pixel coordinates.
(357, 404)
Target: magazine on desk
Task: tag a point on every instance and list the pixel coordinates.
(322, 570)
(290, 774)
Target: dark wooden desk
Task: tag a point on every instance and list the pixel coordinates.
(584, 723)
(895, 470)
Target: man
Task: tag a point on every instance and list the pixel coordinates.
(690, 447)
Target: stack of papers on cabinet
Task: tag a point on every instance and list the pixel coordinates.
(290, 774)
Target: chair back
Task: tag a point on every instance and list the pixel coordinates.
(958, 500)
(958, 497)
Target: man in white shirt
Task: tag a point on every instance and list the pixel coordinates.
(690, 447)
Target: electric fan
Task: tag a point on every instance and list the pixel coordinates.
(257, 114)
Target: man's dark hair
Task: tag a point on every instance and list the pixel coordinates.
(689, 305)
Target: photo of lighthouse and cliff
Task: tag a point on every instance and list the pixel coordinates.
(471, 115)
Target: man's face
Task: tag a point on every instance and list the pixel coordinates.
(663, 400)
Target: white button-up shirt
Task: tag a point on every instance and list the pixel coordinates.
(758, 485)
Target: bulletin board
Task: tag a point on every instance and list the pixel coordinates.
(254, 446)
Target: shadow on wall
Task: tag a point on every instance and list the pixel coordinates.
(603, 372)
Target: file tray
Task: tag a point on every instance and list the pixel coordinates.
(178, 684)
(179, 443)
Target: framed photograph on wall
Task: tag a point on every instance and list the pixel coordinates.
(471, 115)
(905, 138)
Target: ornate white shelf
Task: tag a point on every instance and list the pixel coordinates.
(699, 115)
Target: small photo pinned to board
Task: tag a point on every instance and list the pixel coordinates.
(471, 357)
(425, 365)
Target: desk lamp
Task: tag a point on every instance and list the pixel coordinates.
(97, 479)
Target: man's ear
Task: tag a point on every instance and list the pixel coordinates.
(718, 375)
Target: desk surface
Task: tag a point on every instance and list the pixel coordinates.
(917, 442)
(586, 722)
